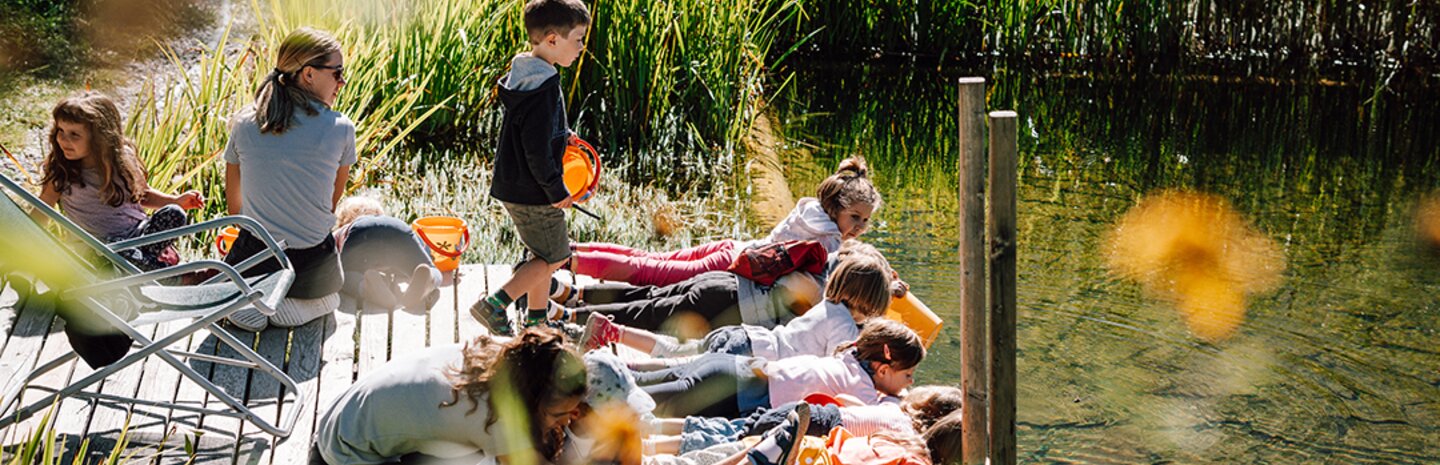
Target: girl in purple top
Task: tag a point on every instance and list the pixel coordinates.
(93, 172)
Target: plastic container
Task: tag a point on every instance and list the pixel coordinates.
(447, 237)
(582, 170)
(913, 313)
(225, 239)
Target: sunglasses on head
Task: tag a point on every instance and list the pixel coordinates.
(339, 70)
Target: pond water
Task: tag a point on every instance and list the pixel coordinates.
(1339, 364)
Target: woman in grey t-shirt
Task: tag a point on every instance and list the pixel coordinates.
(286, 165)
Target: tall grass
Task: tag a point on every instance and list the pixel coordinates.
(664, 90)
(1305, 33)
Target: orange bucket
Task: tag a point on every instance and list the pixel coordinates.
(225, 239)
(581, 165)
(447, 237)
(913, 313)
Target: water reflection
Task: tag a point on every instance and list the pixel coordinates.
(1338, 364)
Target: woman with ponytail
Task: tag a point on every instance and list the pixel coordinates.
(286, 165)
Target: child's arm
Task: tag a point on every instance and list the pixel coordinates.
(232, 188)
(188, 200)
(342, 177)
(50, 196)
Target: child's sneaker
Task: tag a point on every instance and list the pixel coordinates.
(496, 319)
(599, 332)
(781, 445)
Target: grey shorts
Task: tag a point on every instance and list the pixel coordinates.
(542, 229)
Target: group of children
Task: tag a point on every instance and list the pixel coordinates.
(798, 348)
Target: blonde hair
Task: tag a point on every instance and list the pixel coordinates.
(354, 207)
(121, 174)
(279, 94)
(862, 283)
(928, 404)
(849, 185)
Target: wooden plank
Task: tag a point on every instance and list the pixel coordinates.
(408, 332)
(443, 321)
(306, 350)
(1002, 241)
(263, 396)
(145, 438)
(111, 418)
(337, 369)
(71, 415)
(374, 338)
(21, 353)
(973, 337)
(180, 426)
(219, 441)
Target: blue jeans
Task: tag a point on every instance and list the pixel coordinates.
(713, 385)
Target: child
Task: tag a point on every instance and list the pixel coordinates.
(93, 172)
(286, 165)
(718, 297)
(857, 290)
(879, 365)
(841, 210)
(528, 177)
(379, 252)
(918, 410)
(446, 402)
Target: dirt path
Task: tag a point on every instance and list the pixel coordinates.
(25, 109)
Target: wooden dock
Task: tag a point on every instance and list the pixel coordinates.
(324, 357)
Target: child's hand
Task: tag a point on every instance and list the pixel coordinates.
(899, 288)
(190, 200)
(563, 204)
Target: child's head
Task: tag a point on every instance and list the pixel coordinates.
(356, 206)
(862, 284)
(88, 131)
(928, 404)
(891, 351)
(557, 29)
(944, 439)
(537, 369)
(849, 198)
(309, 67)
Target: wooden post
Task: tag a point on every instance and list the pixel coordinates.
(1003, 151)
(973, 336)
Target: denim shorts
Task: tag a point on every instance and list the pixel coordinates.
(542, 229)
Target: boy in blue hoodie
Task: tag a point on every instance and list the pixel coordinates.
(528, 175)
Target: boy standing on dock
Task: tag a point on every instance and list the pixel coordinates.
(528, 172)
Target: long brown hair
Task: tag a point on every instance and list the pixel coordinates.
(280, 94)
(121, 174)
(536, 366)
(849, 185)
(943, 439)
(889, 343)
(862, 283)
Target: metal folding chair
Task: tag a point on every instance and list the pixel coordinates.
(126, 298)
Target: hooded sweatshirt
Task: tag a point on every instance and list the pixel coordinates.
(807, 222)
(533, 135)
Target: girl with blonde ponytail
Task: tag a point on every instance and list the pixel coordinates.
(286, 166)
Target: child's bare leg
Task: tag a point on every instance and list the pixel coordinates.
(637, 339)
(662, 445)
(668, 426)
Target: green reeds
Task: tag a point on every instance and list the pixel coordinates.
(39, 447)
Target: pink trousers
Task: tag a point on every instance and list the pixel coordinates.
(613, 262)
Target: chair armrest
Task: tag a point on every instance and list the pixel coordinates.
(246, 222)
(152, 276)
